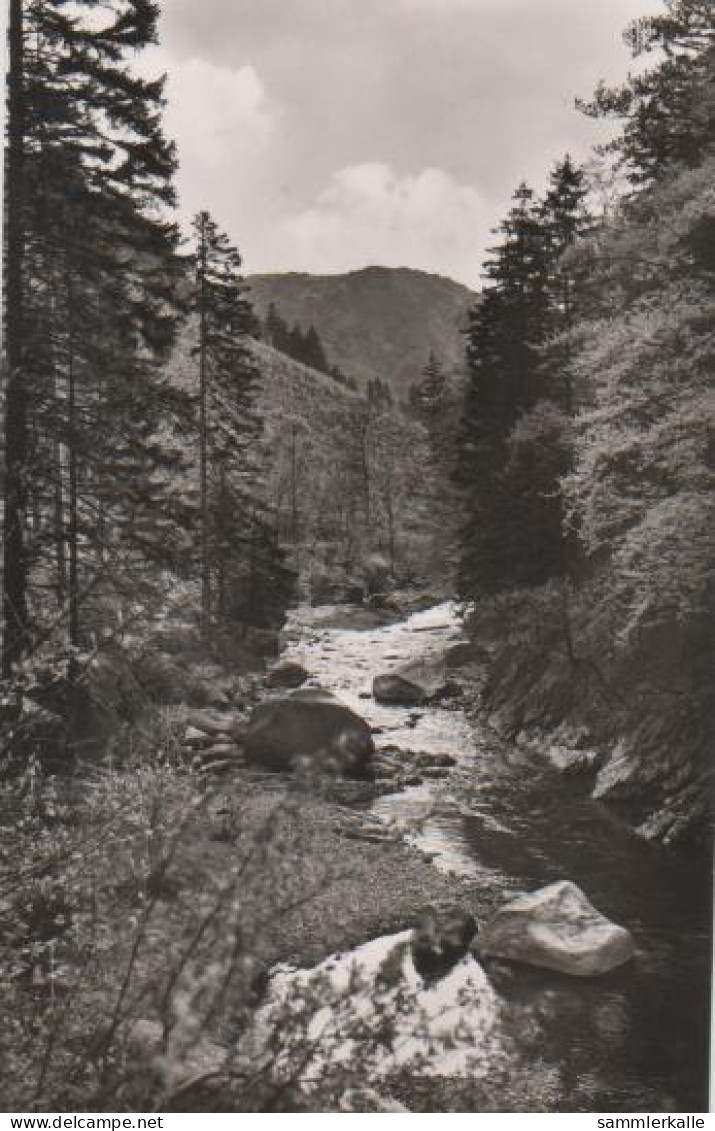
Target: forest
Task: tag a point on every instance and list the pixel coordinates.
(214, 534)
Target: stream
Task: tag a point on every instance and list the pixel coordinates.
(511, 823)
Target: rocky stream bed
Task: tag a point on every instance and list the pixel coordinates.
(459, 818)
(488, 812)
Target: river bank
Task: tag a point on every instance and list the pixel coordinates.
(503, 819)
(152, 885)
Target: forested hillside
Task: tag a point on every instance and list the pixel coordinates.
(152, 444)
(352, 625)
(379, 322)
(586, 453)
(351, 477)
(347, 475)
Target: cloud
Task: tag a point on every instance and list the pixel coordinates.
(368, 214)
(227, 130)
(211, 106)
(326, 133)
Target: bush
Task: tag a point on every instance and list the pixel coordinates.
(140, 916)
(558, 658)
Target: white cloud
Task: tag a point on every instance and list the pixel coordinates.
(368, 214)
(227, 130)
(212, 106)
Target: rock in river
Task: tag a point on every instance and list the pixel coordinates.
(441, 938)
(557, 928)
(298, 730)
(287, 674)
(411, 684)
(367, 1100)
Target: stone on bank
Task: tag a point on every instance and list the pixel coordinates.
(559, 929)
(310, 731)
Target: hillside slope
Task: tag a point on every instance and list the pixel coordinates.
(378, 322)
(345, 478)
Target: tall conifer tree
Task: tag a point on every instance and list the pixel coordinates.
(505, 332)
(667, 110)
(94, 308)
(513, 446)
(230, 511)
(15, 611)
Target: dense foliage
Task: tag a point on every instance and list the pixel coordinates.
(243, 577)
(105, 500)
(347, 476)
(587, 449)
(514, 436)
(91, 261)
(168, 477)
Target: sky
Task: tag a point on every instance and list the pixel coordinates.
(326, 135)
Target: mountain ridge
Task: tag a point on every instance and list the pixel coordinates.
(375, 322)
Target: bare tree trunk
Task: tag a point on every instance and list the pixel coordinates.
(391, 533)
(73, 672)
(15, 567)
(365, 467)
(73, 517)
(221, 563)
(294, 485)
(59, 524)
(570, 550)
(203, 437)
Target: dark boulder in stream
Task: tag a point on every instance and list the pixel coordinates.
(287, 674)
(307, 731)
(397, 691)
(441, 938)
(559, 929)
(413, 684)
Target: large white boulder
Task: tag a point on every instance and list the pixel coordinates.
(370, 1005)
(557, 928)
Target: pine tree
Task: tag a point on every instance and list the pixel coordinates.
(94, 306)
(431, 402)
(430, 390)
(668, 110)
(240, 559)
(515, 432)
(506, 330)
(15, 610)
(314, 352)
(275, 329)
(566, 219)
(378, 394)
(295, 344)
